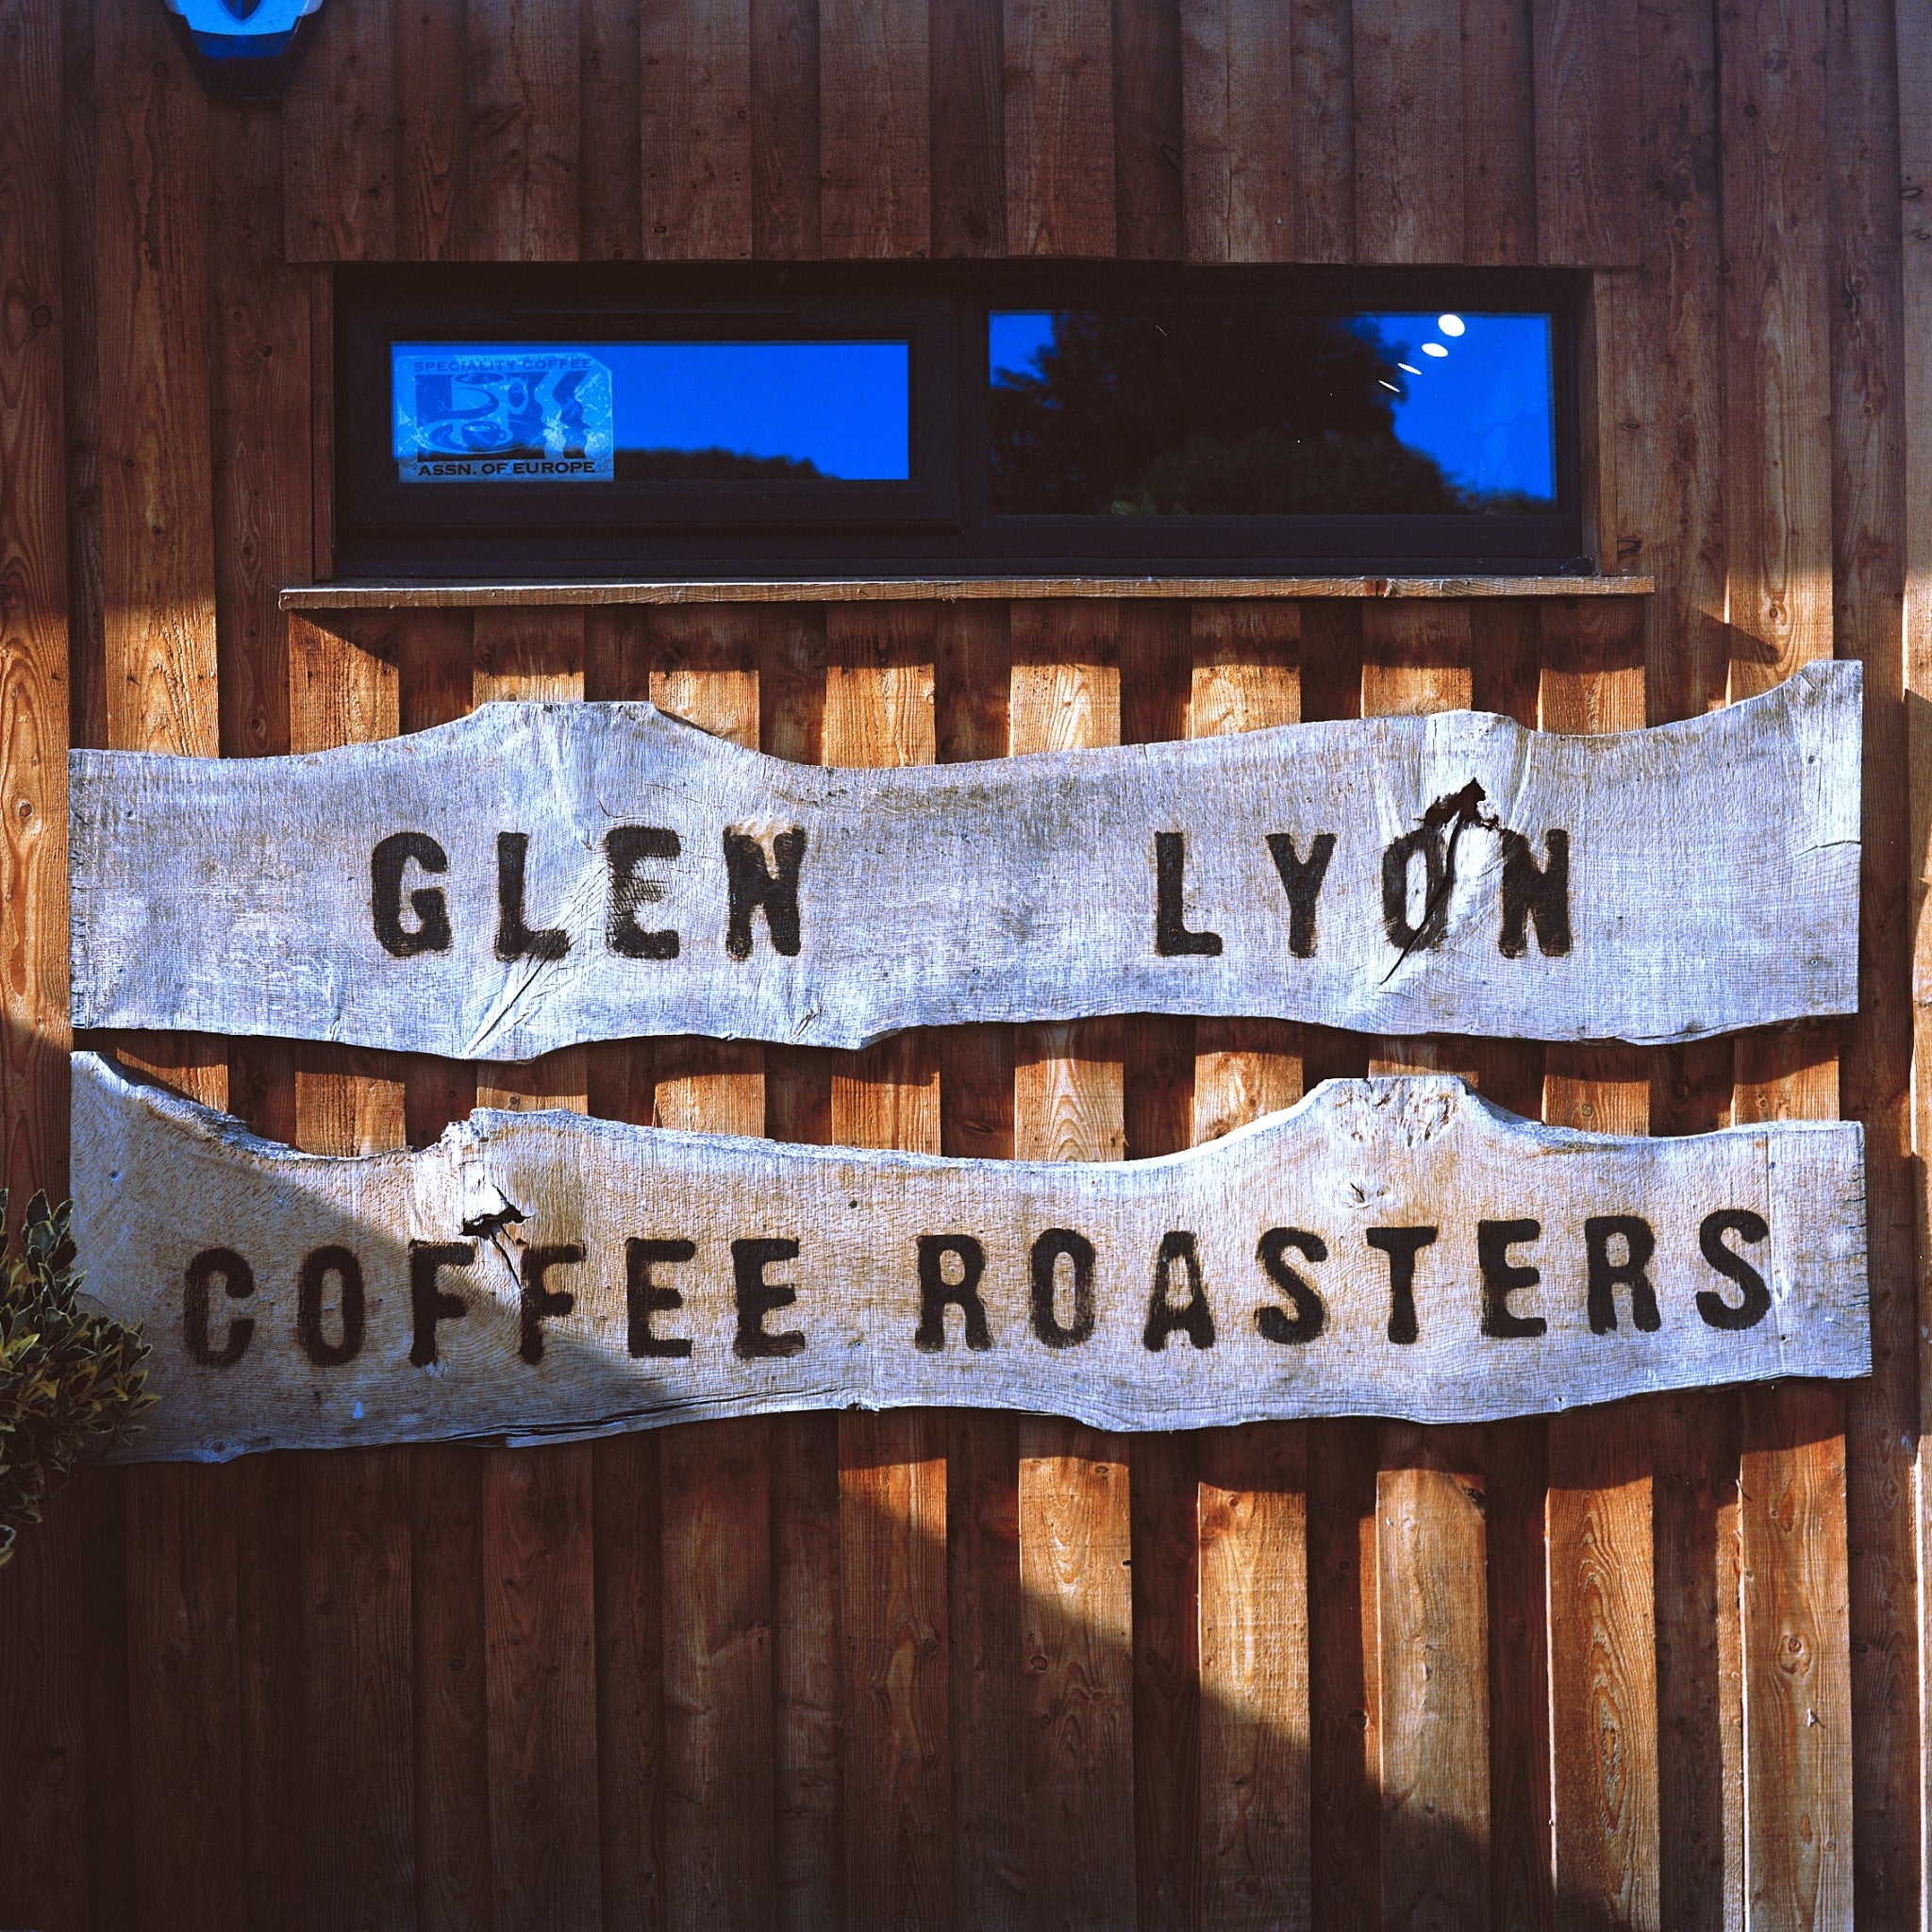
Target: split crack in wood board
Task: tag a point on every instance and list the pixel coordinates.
(535, 877)
(1387, 1246)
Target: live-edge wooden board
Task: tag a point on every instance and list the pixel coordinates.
(535, 875)
(1395, 1247)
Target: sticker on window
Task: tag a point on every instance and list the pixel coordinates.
(511, 415)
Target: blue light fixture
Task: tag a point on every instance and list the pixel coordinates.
(245, 49)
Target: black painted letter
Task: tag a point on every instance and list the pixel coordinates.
(1302, 881)
(626, 847)
(428, 1305)
(316, 1270)
(751, 885)
(1164, 1314)
(386, 864)
(1539, 892)
(1172, 938)
(514, 939)
(1310, 1314)
(541, 1303)
(238, 1284)
(1402, 1246)
(1502, 1277)
(935, 1291)
(1429, 932)
(758, 1298)
(1606, 1277)
(1047, 1251)
(1718, 1312)
(646, 1297)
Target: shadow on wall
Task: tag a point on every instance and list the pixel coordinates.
(1238, 1748)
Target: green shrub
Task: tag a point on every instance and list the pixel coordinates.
(70, 1382)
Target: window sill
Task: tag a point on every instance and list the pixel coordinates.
(402, 596)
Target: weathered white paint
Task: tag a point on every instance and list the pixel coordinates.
(158, 1180)
(1713, 875)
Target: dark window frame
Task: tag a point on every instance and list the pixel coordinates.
(941, 523)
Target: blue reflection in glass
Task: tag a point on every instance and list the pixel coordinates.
(1481, 407)
(1152, 410)
(689, 411)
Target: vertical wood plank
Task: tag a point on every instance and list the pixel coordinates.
(786, 191)
(1239, 149)
(339, 130)
(1499, 158)
(697, 163)
(432, 131)
(51, 1775)
(358, 1797)
(879, 684)
(1323, 32)
(539, 1567)
(1588, 123)
(1076, 1530)
(1913, 49)
(1150, 222)
(1869, 436)
(715, 1478)
(1432, 1625)
(524, 68)
(1254, 1621)
(1797, 1640)
(1409, 196)
(1255, 1757)
(875, 94)
(1777, 327)
(160, 688)
(610, 217)
(1059, 97)
(973, 676)
(1796, 1690)
(969, 149)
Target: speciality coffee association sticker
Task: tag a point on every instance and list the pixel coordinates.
(1388, 1248)
(502, 415)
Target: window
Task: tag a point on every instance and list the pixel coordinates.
(983, 417)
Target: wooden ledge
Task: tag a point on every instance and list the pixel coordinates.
(441, 596)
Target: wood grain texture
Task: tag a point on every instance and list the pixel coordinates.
(1410, 196)
(1150, 222)
(1913, 53)
(522, 81)
(892, 1474)
(1777, 325)
(697, 162)
(467, 595)
(786, 129)
(1237, 67)
(1869, 456)
(968, 128)
(1075, 1525)
(1588, 127)
(875, 92)
(340, 137)
(432, 132)
(610, 133)
(1059, 152)
(1254, 1648)
(356, 1566)
(1498, 133)
(1364, 796)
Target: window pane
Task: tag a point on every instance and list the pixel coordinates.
(1183, 411)
(719, 411)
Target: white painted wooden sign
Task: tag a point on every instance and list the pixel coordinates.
(535, 876)
(1388, 1247)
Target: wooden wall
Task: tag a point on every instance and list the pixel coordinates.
(1656, 1665)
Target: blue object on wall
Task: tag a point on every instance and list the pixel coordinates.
(245, 49)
